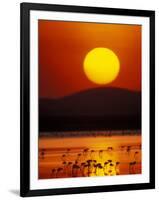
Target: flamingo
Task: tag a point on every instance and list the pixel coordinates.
(65, 168)
(111, 170)
(53, 173)
(105, 168)
(92, 154)
(136, 155)
(85, 170)
(78, 157)
(101, 154)
(69, 169)
(85, 153)
(43, 153)
(59, 172)
(100, 171)
(82, 168)
(117, 168)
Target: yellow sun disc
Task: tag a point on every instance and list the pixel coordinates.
(101, 65)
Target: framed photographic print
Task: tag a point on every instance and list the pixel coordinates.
(87, 99)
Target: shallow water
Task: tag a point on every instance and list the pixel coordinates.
(89, 156)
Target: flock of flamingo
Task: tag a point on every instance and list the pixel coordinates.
(87, 162)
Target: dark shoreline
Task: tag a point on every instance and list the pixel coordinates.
(103, 133)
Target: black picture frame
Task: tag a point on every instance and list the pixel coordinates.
(25, 190)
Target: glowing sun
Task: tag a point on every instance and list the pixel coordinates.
(101, 65)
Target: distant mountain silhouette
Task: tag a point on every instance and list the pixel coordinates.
(113, 104)
(99, 101)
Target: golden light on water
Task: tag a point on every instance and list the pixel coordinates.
(89, 156)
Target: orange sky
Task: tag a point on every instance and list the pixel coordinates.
(64, 45)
